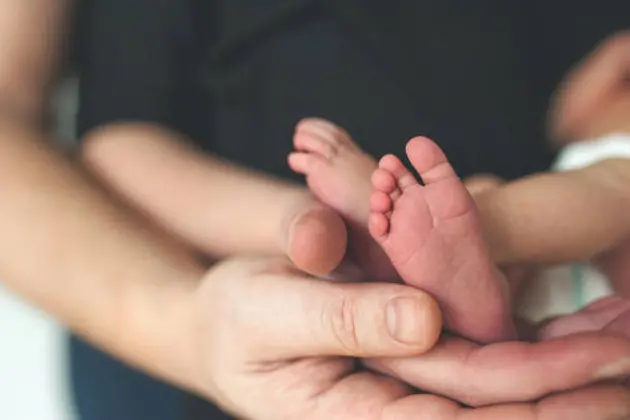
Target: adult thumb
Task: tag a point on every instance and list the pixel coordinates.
(319, 318)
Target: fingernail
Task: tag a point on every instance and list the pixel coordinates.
(618, 369)
(405, 318)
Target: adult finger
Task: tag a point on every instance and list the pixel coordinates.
(286, 315)
(611, 314)
(603, 402)
(514, 371)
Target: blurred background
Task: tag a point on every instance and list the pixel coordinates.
(33, 357)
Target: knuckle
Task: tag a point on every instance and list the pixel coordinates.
(330, 149)
(340, 319)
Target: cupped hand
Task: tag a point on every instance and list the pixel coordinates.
(280, 345)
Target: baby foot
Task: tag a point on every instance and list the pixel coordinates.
(433, 237)
(313, 236)
(338, 173)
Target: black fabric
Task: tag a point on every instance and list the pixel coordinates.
(236, 75)
(139, 60)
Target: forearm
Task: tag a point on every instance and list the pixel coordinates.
(67, 247)
(216, 206)
(557, 217)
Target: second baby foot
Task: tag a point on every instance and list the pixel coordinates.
(433, 237)
(338, 172)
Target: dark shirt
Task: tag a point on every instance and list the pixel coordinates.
(236, 75)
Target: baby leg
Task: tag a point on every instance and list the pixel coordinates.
(433, 237)
(217, 207)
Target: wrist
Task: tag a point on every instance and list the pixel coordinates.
(152, 325)
(167, 326)
(178, 352)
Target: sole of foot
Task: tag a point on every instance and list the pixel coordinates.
(433, 237)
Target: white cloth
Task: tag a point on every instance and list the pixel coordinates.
(558, 291)
(565, 289)
(585, 153)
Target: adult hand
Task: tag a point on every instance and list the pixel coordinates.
(279, 345)
(594, 97)
(566, 367)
